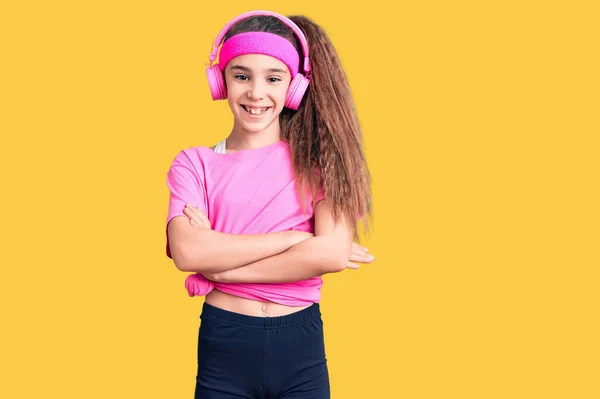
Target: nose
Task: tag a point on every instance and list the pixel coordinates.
(257, 90)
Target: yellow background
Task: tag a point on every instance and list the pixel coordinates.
(481, 123)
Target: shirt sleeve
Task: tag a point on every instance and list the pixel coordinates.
(185, 180)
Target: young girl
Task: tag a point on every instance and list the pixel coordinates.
(263, 215)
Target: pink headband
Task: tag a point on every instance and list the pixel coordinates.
(260, 43)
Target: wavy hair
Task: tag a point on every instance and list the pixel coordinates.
(324, 134)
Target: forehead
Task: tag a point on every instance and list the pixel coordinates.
(257, 62)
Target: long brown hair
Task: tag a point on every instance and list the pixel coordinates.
(324, 132)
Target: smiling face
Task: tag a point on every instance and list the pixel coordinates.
(256, 88)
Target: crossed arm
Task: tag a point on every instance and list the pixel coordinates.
(263, 258)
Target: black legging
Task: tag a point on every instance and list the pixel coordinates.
(253, 357)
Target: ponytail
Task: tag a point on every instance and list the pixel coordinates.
(325, 133)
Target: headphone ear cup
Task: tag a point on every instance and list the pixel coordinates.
(216, 83)
(296, 91)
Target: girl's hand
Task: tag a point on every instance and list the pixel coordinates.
(359, 254)
(198, 219)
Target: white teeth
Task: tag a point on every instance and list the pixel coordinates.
(255, 111)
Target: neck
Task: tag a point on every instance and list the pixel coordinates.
(241, 139)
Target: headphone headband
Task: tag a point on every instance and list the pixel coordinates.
(288, 22)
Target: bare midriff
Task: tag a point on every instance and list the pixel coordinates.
(249, 307)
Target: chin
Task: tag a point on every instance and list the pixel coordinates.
(256, 127)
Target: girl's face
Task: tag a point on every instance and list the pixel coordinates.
(256, 89)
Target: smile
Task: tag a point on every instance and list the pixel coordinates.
(255, 110)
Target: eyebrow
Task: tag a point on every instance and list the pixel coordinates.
(271, 70)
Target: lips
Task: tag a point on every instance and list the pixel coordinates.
(253, 110)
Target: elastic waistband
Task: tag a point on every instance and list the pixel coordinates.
(313, 312)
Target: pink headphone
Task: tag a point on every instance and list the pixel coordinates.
(299, 84)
